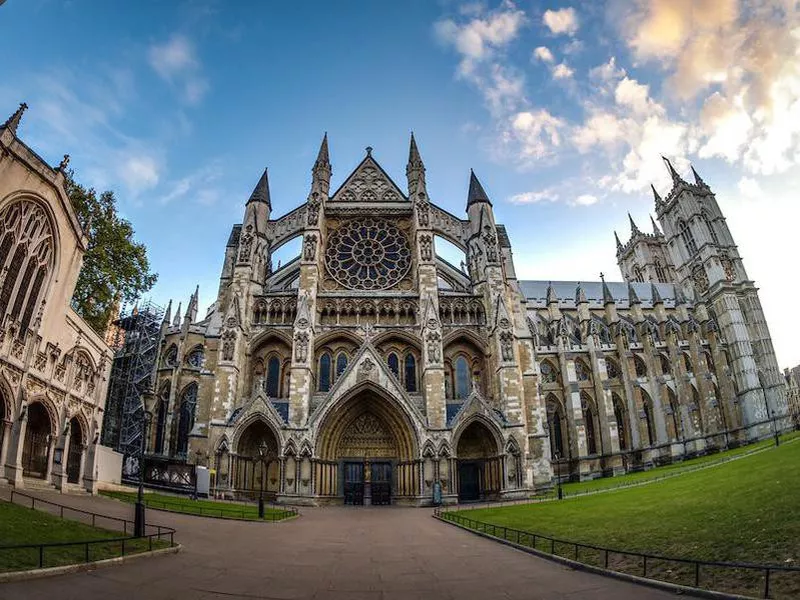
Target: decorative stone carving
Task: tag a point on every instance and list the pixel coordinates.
(700, 279)
(246, 245)
(310, 247)
(301, 346)
(434, 353)
(425, 247)
(423, 210)
(312, 215)
(490, 240)
(507, 346)
(228, 345)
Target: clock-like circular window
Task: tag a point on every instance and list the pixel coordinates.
(368, 254)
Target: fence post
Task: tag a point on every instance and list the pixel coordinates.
(697, 574)
(645, 566)
(766, 583)
(86, 554)
(123, 546)
(605, 561)
(41, 556)
(150, 540)
(552, 546)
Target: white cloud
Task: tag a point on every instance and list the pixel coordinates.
(199, 186)
(636, 96)
(561, 21)
(607, 72)
(139, 172)
(562, 71)
(543, 54)
(537, 132)
(750, 188)
(547, 195)
(176, 62)
(585, 200)
(602, 129)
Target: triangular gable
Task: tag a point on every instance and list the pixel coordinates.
(368, 183)
(258, 406)
(475, 404)
(368, 365)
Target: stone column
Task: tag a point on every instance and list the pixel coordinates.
(4, 446)
(15, 446)
(60, 475)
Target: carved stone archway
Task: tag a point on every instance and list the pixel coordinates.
(250, 469)
(367, 445)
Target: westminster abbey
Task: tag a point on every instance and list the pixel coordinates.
(369, 370)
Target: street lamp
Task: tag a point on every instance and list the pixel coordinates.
(558, 476)
(138, 515)
(775, 430)
(262, 453)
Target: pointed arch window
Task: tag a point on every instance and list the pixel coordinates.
(637, 274)
(26, 257)
(687, 237)
(612, 369)
(411, 373)
(462, 380)
(341, 364)
(589, 424)
(687, 363)
(549, 374)
(619, 415)
(640, 366)
(186, 417)
(581, 371)
(711, 230)
(161, 418)
(661, 274)
(647, 413)
(324, 374)
(555, 417)
(666, 366)
(394, 364)
(273, 377)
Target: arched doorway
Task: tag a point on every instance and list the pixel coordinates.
(75, 451)
(35, 451)
(480, 466)
(367, 452)
(252, 472)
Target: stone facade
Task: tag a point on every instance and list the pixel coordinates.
(53, 366)
(792, 377)
(371, 369)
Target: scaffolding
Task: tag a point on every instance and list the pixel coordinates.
(137, 338)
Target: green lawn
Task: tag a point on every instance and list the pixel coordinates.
(20, 525)
(206, 508)
(745, 510)
(582, 487)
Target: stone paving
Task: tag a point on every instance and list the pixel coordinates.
(377, 553)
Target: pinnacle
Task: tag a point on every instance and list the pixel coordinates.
(656, 195)
(476, 191)
(619, 244)
(414, 157)
(322, 155)
(633, 297)
(656, 230)
(676, 179)
(634, 228)
(12, 123)
(697, 179)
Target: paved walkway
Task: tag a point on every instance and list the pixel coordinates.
(378, 553)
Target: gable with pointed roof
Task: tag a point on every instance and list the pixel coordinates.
(368, 183)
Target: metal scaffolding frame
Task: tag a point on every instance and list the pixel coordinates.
(137, 333)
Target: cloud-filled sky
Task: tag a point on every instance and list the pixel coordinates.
(562, 108)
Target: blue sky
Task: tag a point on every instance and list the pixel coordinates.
(562, 109)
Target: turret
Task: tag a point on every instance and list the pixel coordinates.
(177, 321)
(676, 178)
(619, 244)
(259, 206)
(12, 123)
(582, 303)
(552, 303)
(658, 303)
(415, 171)
(634, 228)
(608, 302)
(191, 309)
(635, 304)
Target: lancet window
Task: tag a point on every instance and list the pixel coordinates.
(687, 237)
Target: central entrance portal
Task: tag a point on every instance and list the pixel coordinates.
(367, 451)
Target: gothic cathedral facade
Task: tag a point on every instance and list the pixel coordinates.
(371, 370)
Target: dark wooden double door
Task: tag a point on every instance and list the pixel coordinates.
(469, 481)
(380, 484)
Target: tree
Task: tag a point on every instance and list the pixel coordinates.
(115, 267)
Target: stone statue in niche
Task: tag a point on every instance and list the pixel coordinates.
(310, 247)
(313, 209)
(490, 240)
(507, 345)
(434, 355)
(423, 210)
(425, 245)
(228, 345)
(301, 347)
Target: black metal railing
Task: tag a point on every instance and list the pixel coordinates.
(728, 577)
(19, 557)
(231, 511)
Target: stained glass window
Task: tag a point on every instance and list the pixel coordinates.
(341, 363)
(462, 383)
(273, 377)
(411, 373)
(324, 375)
(394, 364)
(368, 254)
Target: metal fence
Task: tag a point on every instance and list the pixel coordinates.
(30, 556)
(231, 511)
(729, 577)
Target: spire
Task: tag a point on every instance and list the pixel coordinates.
(634, 228)
(697, 179)
(413, 152)
(656, 230)
(261, 191)
(551, 293)
(177, 321)
(633, 297)
(168, 314)
(619, 244)
(191, 309)
(656, 196)
(14, 120)
(676, 179)
(476, 191)
(323, 159)
(580, 295)
(655, 295)
(607, 297)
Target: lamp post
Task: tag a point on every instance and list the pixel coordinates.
(775, 430)
(138, 515)
(262, 454)
(558, 476)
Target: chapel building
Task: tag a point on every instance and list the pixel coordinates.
(371, 370)
(53, 365)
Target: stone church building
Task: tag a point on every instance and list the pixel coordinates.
(53, 366)
(371, 370)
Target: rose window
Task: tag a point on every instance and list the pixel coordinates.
(368, 254)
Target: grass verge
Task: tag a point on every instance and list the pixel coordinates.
(742, 511)
(20, 525)
(205, 508)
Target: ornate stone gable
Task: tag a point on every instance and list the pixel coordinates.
(368, 183)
